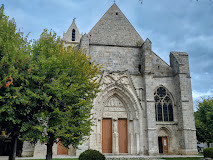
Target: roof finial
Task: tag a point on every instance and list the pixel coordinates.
(74, 19)
(114, 1)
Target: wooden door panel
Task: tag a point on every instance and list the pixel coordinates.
(61, 150)
(165, 145)
(122, 132)
(107, 135)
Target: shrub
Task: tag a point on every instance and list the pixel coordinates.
(91, 155)
(208, 152)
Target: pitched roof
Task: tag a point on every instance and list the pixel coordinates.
(114, 29)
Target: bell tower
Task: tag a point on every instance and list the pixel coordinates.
(72, 36)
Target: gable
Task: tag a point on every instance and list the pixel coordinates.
(67, 37)
(114, 29)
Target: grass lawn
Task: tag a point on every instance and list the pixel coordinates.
(189, 158)
(65, 158)
(54, 159)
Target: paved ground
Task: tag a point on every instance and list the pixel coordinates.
(108, 157)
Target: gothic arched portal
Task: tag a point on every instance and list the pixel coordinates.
(118, 115)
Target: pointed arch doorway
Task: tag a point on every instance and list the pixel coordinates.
(114, 126)
(164, 140)
(117, 103)
(107, 135)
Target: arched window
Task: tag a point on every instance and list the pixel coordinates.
(163, 105)
(73, 35)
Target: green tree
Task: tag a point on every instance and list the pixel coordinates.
(15, 64)
(204, 120)
(64, 83)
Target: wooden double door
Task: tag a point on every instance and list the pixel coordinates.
(107, 135)
(163, 145)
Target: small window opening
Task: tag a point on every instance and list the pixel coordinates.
(158, 67)
(73, 35)
(116, 13)
(139, 67)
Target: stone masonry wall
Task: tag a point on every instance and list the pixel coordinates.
(116, 58)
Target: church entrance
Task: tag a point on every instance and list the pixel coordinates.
(163, 145)
(122, 133)
(107, 135)
(115, 126)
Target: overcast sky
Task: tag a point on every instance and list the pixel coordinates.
(171, 25)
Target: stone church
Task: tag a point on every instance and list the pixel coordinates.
(145, 106)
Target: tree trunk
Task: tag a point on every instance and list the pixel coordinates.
(12, 155)
(49, 155)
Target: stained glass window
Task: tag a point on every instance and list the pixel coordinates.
(163, 105)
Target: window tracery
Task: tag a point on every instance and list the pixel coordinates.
(163, 105)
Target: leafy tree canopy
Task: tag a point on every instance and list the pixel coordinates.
(63, 84)
(15, 62)
(46, 90)
(204, 120)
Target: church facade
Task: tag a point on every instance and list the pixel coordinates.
(145, 106)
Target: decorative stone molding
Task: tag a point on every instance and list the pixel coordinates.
(118, 91)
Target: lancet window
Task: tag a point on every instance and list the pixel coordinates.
(73, 35)
(163, 105)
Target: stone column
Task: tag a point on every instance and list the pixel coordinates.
(115, 140)
(136, 136)
(99, 139)
(137, 143)
(147, 71)
(131, 138)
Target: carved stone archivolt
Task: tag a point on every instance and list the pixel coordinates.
(118, 97)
